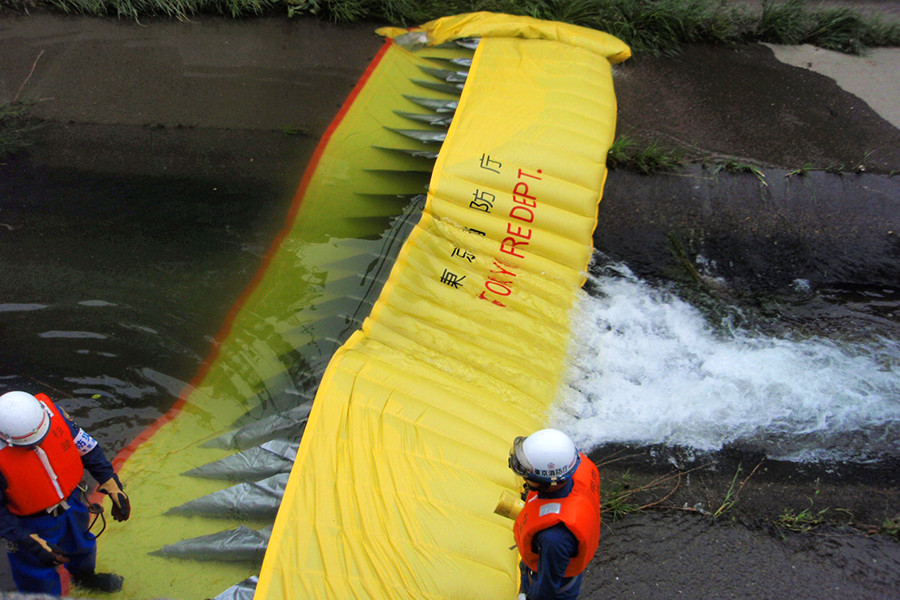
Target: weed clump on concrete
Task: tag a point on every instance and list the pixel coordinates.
(801, 522)
(16, 129)
(627, 153)
(891, 527)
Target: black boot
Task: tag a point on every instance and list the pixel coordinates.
(102, 582)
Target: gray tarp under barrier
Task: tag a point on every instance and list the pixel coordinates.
(265, 460)
(235, 545)
(249, 500)
(242, 591)
(287, 425)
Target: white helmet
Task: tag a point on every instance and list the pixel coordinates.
(24, 420)
(546, 456)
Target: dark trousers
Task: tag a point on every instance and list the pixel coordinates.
(70, 532)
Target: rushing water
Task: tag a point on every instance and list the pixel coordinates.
(650, 368)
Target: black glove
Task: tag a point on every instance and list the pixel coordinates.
(121, 505)
(121, 508)
(49, 555)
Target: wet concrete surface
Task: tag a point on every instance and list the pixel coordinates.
(679, 547)
(762, 232)
(742, 102)
(691, 556)
(214, 97)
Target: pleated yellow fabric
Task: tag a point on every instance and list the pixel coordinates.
(404, 457)
(487, 24)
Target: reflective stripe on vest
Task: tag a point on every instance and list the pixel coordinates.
(579, 512)
(45, 462)
(37, 479)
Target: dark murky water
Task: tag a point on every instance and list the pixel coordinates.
(114, 287)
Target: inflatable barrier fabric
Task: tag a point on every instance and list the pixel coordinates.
(235, 429)
(404, 456)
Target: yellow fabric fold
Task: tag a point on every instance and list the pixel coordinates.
(490, 24)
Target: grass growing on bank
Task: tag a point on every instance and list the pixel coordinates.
(658, 27)
(708, 491)
(647, 159)
(16, 129)
(620, 498)
(654, 158)
(891, 527)
(623, 495)
(801, 522)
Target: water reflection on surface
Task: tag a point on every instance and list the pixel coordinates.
(114, 287)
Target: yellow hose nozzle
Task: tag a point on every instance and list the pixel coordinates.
(509, 505)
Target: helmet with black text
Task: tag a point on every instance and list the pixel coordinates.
(24, 420)
(546, 457)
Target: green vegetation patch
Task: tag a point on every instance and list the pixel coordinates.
(840, 28)
(16, 129)
(657, 27)
(627, 153)
(801, 522)
(891, 527)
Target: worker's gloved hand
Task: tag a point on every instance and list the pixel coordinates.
(121, 508)
(521, 597)
(49, 555)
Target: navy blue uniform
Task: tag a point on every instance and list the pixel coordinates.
(68, 530)
(555, 546)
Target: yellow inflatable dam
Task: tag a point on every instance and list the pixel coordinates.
(348, 437)
(404, 456)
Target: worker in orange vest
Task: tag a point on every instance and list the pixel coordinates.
(43, 456)
(558, 530)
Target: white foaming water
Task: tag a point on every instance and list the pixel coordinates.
(647, 368)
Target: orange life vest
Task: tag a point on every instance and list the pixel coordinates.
(30, 485)
(579, 512)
